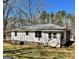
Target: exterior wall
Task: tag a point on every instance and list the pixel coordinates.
(44, 38)
(21, 36)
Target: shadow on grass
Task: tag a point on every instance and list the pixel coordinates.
(69, 43)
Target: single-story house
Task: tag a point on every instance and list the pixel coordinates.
(48, 34)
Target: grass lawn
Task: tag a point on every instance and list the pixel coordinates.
(35, 51)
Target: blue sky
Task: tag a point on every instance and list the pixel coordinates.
(56, 5)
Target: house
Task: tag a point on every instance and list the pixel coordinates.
(48, 34)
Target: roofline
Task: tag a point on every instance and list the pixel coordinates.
(36, 30)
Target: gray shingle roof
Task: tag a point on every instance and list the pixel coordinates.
(39, 27)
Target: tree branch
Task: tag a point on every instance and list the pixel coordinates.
(5, 1)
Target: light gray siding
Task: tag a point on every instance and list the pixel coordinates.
(21, 36)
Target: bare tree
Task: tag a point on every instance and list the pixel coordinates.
(7, 8)
(32, 9)
(21, 9)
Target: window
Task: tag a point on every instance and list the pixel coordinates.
(15, 33)
(49, 35)
(54, 35)
(38, 34)
(26, 32)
